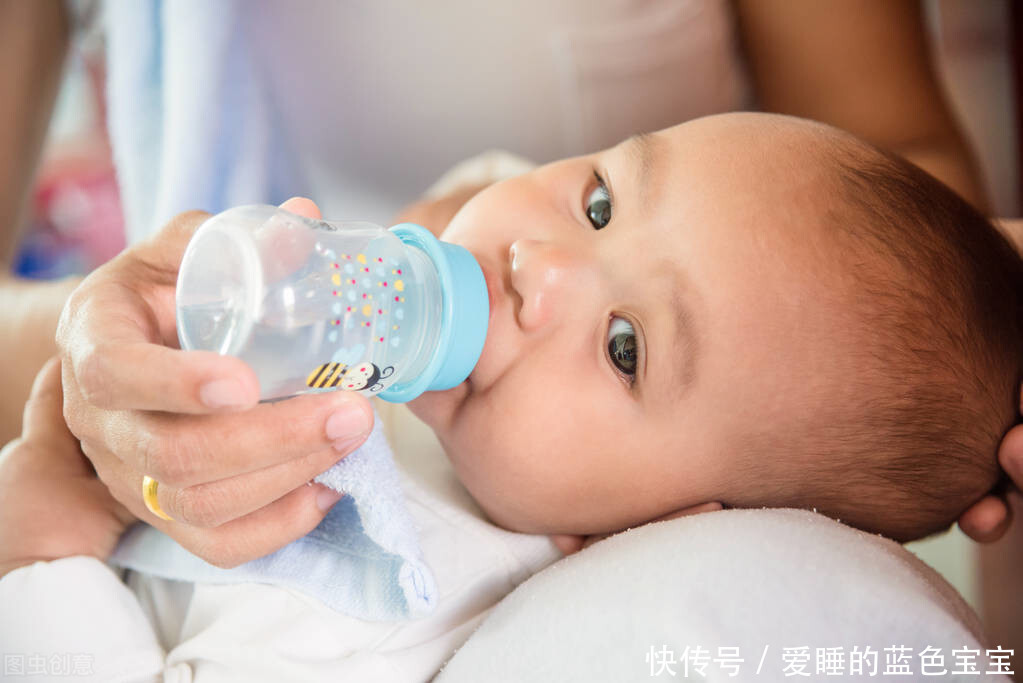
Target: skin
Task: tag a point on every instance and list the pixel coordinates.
(44, 474)
(742, 232)
(789, 45)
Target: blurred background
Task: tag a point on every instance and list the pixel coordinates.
(75, 221)
(977, 50)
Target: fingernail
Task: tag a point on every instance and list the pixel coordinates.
(327, 497)
(222, 393)
(345, 445)
(346, 424)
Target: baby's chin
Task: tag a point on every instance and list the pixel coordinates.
(438, 409)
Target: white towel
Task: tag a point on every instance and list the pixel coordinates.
(363, 559)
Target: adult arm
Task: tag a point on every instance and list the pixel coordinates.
(34, 38)
(863, 67)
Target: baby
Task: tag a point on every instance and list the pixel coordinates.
(745, 309)
(750, 309)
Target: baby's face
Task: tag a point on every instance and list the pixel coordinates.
(647, 303)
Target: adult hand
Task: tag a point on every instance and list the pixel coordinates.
(989, 518)
(51, 503)
(232, 473)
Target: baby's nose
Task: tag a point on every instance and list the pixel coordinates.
(548, 277)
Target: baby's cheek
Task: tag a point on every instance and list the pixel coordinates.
(483, 465)
(439, 409)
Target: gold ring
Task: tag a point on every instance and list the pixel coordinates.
(149, 497)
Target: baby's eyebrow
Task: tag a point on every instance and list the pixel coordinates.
(645, 151)
(644, 147)
(683, 353)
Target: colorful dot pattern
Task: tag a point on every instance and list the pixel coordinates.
(352, 289)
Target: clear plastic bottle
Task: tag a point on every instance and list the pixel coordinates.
(313, 305)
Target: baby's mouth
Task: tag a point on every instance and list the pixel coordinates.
(495, 287)
(495, 298)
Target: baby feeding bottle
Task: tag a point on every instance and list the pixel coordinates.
(313, 305)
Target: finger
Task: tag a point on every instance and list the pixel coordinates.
(185, 450)
(44, 426)
(121, 513)
(142, 376)
(151, 269)
(257, 534)
(107, 334)
(303, 207)
(292, 244)
(161, 254)
(93, 496)
(267, 529)
(110, 326)
(123, 485)
(215, 503)
(1010, 455)
(44, 417)
(986, 520)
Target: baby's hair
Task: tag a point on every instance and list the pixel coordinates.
(936, 312)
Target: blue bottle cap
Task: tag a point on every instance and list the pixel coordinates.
(464, 319)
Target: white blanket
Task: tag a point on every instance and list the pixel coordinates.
(765, 595)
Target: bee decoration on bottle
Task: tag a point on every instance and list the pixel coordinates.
(360, 377)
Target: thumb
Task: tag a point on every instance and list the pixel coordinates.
(290, 243)
(303, 207)
(44, 426)
(44, 410)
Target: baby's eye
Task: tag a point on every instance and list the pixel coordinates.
(598, 204)
(621, 347)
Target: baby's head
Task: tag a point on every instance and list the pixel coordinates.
(746, 308)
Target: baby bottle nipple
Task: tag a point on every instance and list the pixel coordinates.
(313, 305)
